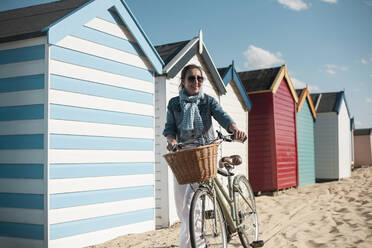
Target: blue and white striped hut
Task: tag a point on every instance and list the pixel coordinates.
(76, 124)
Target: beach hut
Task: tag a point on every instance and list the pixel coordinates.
(352, 130)
(332, 136)
(176, 56)
(76, 124)
(235, 102)
(305, 117)
(272, 134)
(363, 146)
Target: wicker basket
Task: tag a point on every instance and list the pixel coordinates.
(194, 165)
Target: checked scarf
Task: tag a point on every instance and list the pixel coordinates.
(192, 123)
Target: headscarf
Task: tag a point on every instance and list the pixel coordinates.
(192, 123)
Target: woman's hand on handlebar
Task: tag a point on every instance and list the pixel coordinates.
(171, 141)
(239, 135)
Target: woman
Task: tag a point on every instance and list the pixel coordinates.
(189, 118)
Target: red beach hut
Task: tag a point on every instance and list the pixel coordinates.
(273, 159)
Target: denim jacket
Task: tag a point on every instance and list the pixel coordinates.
(208, 107)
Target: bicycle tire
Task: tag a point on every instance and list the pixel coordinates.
(247, 212)
(203, 227)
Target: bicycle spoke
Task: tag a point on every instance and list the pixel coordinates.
(246, 212)
(207, 227)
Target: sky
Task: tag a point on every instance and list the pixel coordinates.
(326, 44)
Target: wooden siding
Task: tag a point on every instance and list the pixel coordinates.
(344, 142)
(101, 131)
(363, 149)
(306, 146)
(285, 137)
(326, 146)
(22, 143)
(261, 143)
(232, 105)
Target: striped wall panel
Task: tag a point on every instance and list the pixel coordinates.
(22, 89)
(101, 135)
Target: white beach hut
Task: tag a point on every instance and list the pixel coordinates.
(332, 136)
(76, 124)
(176, 56)
(237, 103)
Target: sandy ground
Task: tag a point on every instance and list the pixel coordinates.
(332, 214)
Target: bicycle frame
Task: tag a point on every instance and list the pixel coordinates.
(231, 217)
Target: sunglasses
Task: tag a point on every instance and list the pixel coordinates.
(193, 78)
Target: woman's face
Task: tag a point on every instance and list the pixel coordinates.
(193, 81)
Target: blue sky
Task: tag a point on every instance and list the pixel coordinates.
(326, 44)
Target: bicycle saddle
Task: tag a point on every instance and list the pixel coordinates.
(231, 160)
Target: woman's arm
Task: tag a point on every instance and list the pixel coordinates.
(226, 121)
(170, 129)
(220, 115)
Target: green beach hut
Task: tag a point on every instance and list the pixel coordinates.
(306, 116)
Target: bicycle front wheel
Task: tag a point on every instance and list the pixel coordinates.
(207, 228)
(246, 211)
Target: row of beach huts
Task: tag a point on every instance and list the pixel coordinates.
(83, 97)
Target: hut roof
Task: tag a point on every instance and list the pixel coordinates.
(58, 19)
(168, 51)
(177, 54)
(329, 102)
(29, 22)
(259, 80)
(222, 71)
(229, 74)
(302, 95)
(363, 131)
(266, 80)
(299, 91)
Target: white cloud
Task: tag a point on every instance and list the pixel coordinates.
(296, 5)
(332, 69)
(364, 61)
(330, 66)
(368, 100)
(298, 84)
(330, 1)
(259, 58)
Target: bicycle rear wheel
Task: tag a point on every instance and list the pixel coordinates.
(207, 227)
(246, 211)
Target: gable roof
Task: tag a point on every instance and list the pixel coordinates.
(58, 19)
(304, 94)
(266, 80)
(258, 80)
(229, 74)
(352, 124)
(329, 102)
(169, 51)
(177, 54)
(29, 22)
(362, 131)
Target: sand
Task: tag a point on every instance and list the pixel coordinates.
(332, 214)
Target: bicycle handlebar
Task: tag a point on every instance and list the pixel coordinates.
(220, 136)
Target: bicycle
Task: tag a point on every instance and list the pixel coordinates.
(216, 215)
